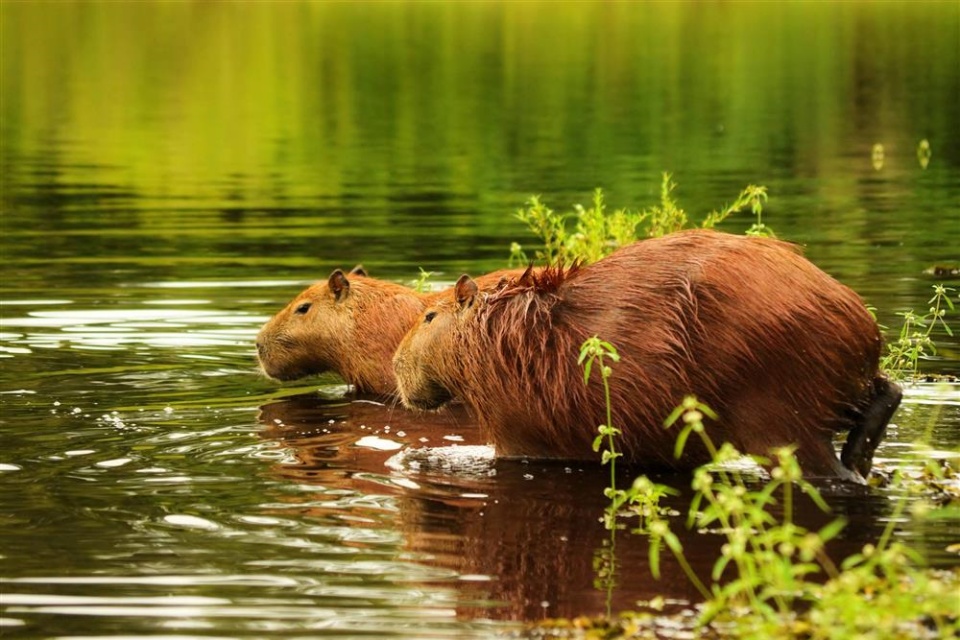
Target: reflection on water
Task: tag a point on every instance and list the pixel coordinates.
(172, 173)
(528, 528)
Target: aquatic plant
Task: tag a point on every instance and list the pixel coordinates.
(768, 579)
(596, 232)
(422, 283)
(596, 351)
(915, 341)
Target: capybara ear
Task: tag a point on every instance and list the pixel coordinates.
(358, 271)
(339, 285)
(465, 291)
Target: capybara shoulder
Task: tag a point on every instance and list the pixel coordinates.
(783, 352)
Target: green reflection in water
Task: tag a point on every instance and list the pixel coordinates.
(172, 173)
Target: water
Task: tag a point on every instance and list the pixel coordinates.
(173, 174)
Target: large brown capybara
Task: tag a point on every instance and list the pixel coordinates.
(783, 353)
(350, 324)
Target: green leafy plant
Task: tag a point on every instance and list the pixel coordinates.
(915, 341)
(773, 577)
(752, 196)
(422, 283)
(597, 351)
(589, 233)
(666, 217)
(770, 557)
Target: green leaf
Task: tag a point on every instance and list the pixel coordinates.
(704, 409)
(815, 496)
(694, 508)
(681, 443)
(673, 542)
(719, 566)
(673, 417)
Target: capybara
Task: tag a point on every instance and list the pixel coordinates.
(350, 324)
(783, 353)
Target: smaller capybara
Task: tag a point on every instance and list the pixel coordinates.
(783, 353)
(350, 324)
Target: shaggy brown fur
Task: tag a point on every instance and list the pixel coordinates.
(781, 351)
(348, 325)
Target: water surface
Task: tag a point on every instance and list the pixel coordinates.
(172, 174)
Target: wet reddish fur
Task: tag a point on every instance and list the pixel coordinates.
(354, 337)
(783, 352)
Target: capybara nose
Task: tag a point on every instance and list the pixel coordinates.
(260, 348)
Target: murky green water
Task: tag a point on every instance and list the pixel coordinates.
(173, 173)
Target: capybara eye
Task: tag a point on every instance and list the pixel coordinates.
(303, 308)
(427, 319)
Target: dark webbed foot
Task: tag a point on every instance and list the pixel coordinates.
(857, 453)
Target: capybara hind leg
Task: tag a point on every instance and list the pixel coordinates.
(863, 439)
(818, 459)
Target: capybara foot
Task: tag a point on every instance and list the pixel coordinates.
(857, 453)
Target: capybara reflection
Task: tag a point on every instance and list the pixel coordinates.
(350, 324)
(784, 354)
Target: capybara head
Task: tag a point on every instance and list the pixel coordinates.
(427, 363)
(350, 324)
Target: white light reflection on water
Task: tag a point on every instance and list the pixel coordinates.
(166, 328)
